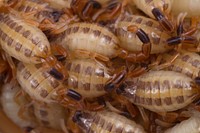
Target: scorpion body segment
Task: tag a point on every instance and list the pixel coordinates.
(37, 82)
(129, 41)
(90, 37)
(187, 63)
(87, 77)
(22, 41)
(106, 122)
(161, 91)
(41, 86)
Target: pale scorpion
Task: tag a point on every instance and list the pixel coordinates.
(161, 91)
(102, 44)
(28, 44)
(106, 121)
(17, 109)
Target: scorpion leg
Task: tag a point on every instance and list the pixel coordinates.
(146, 47)
(64, 20)
(87, 54)
(120, 75)
(144, 117)
(60, 52)
(138, 71)
(57, 70)
(27, 17)
(11, 64)
(111, 11)
(46, 24)
(169, 117)
(116, 79)
(88, 10)
(62, 26)
(180, 29)
(132, 110)
(183, 37)
(157, 66)
(93, 106)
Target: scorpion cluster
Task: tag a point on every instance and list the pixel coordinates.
(101, 66)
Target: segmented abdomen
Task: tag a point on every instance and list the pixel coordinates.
(87, 77)
(161, 91)
(90, 37)
(37, 82)
(22, 41)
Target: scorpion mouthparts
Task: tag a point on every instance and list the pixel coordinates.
(197, 80)
(73, 94)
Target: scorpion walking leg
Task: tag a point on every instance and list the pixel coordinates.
(157, 66)
(144, 117)
(112, 10)
(11, 64)
(183, 37)
(117, 79)
(87, 54)
(59, 27)
(59, 52)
